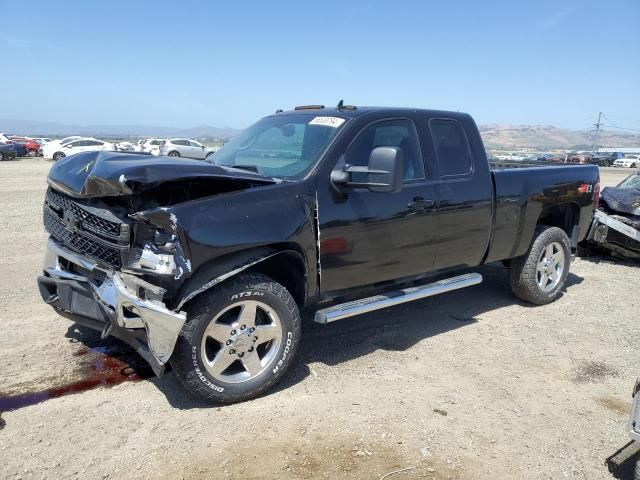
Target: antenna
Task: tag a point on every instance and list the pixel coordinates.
(340, 105)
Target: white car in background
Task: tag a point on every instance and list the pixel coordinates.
(149, 144)
(183, 147)
(628, 161)
(49, 148)
(58, 152)
(124, 147)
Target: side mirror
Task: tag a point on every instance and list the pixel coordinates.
(384, 172)
(202, 147)
(386, 167)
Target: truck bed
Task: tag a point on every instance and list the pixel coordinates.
(524, 191)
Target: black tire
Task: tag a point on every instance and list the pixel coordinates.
(174, 154)
(524, 270)
(606, 163)
(187, 360)
(633, 165)
(58, 156)
(1, 156)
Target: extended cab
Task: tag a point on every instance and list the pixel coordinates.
(338, 211)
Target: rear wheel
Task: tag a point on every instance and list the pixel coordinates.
(238, 341)
(1, 156)
(538, 276)
(606, 163)
(174, 154)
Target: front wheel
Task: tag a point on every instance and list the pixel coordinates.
(58, 156)
(238, 341)
(1, 156)
(174, 154)
(538, 276)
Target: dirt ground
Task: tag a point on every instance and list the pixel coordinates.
(469, 385)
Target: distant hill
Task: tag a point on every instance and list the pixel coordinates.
(24, 127)
(496, 137)
(545, 137)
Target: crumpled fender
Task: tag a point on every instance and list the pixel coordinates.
(221, 269)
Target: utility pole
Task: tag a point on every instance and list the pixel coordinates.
(598, 124)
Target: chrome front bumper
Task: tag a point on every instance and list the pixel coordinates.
(118, 296)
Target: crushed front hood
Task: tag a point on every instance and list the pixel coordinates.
(622, 200)
(108, 174)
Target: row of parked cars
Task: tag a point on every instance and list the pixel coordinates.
(603, 159)
(172, 147)
(13, 146)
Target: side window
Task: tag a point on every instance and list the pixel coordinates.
(452, 149)
(389, 133)
(78, 143)
(195, 144)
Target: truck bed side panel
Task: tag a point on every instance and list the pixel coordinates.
(523, 194)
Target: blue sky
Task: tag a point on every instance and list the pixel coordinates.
(187, 63)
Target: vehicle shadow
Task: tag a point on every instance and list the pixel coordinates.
(622, 463)
(598, 256)
(399, 328)
(394, 329)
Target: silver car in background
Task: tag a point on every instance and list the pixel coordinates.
(183, 147)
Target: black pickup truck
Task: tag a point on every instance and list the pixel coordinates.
(205, 266)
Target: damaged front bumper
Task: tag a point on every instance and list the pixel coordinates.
(615, 235)
(116, 303)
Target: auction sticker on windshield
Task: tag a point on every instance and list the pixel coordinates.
(334, 122)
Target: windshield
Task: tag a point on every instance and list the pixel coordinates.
(631, 182)
(284, 146)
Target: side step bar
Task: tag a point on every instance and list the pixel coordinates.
(364, 305)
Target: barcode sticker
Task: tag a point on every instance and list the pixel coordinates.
(333, 122)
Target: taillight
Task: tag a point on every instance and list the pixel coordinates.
(596, 193)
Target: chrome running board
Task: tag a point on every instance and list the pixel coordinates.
(364, 305)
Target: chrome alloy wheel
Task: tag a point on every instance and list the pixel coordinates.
(550, 267)
(241, 341)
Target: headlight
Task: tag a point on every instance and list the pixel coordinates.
(162, 263)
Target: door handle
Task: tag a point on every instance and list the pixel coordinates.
(419, 204)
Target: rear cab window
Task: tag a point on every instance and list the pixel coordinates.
(451, 146)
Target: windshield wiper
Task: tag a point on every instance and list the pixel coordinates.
(251, 168)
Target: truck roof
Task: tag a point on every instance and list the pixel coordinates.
(355, 111)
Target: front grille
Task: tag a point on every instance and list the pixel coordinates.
(84, 229)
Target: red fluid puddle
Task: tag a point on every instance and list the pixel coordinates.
(99, 370)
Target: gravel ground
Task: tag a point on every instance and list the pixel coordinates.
(469, 385)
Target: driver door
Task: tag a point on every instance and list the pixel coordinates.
(368, 237)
